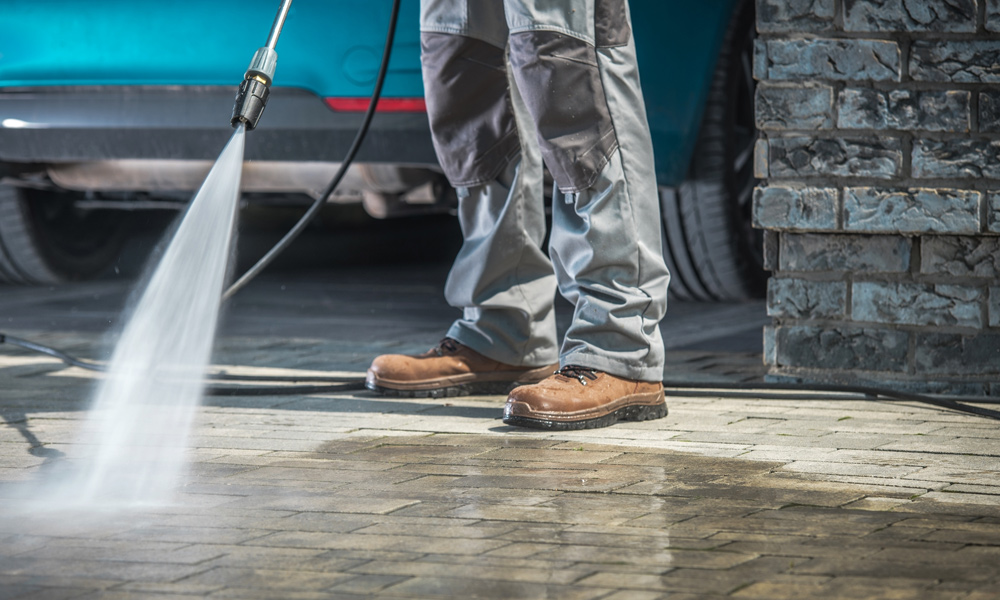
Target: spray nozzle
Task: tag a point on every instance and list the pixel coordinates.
(256, 86)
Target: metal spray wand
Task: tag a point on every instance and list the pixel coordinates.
(256, 86)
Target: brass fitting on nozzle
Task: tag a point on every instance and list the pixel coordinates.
(255, 88)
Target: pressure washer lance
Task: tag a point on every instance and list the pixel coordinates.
(256, 87)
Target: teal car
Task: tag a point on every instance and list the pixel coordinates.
(118, 106)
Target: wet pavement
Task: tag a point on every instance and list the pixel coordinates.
(343, 494)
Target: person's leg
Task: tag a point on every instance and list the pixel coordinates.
(501, 279)
(577, 72)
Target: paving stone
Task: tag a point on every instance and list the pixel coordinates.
(157, 589)
(454, 587)
(266, 578)
(628, 581)
(170, 554)
(791, 546)
(963, 498)
(910, 572)
(835, 468)
(307, 559)
(392, 527)
(636, 595)
(366, 584)
(798, 586)
(536, 574)
(694, 580)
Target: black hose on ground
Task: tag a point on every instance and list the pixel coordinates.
(345, 384)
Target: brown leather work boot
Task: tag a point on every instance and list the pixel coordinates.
(449, 369)
(581, 398)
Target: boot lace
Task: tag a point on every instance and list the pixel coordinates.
(581, 374)
(446, 345)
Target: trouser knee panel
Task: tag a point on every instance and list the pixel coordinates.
(472, 122)
(560, 81)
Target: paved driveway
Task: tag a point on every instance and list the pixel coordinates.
(343, 494)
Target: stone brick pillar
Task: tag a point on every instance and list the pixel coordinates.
(879, 157)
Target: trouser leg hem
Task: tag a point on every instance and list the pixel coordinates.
(619, 368)
(487, 348)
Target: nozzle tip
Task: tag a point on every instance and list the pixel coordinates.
(251, 98)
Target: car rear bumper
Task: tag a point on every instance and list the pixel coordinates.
(62, 125)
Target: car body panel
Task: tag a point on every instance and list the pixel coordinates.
(328, 48)
(60, 124)
(124, 42)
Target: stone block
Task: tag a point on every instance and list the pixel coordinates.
(993, 212)
(808, 106)
(916, 304)
(960, 61)
(977, 354)
(879, 380)
(994, 307)
(975, 159)
(841, 252)
(760, 158)
(910, 15)
(989, 111)
(759, 59)
(862, 108)
(804, 299)
(843, 347)
(771, 245)
(836, 60)
(794, 15)
(992, 15)
(811, 157)
(961, 256)
(923, 386)
(769, 356)
(790, 208)
(911, 211)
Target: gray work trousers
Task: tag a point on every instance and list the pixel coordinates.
(510, 83)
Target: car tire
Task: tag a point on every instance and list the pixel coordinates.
(45, 239)
(711, 249)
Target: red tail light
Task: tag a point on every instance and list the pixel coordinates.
(384, 104)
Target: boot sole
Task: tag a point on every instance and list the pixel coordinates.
(626, 413)
(480, 388)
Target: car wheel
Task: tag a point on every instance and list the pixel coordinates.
(711, 249)
(46, 239)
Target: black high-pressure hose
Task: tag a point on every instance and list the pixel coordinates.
(310, 214)
(251, 100)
